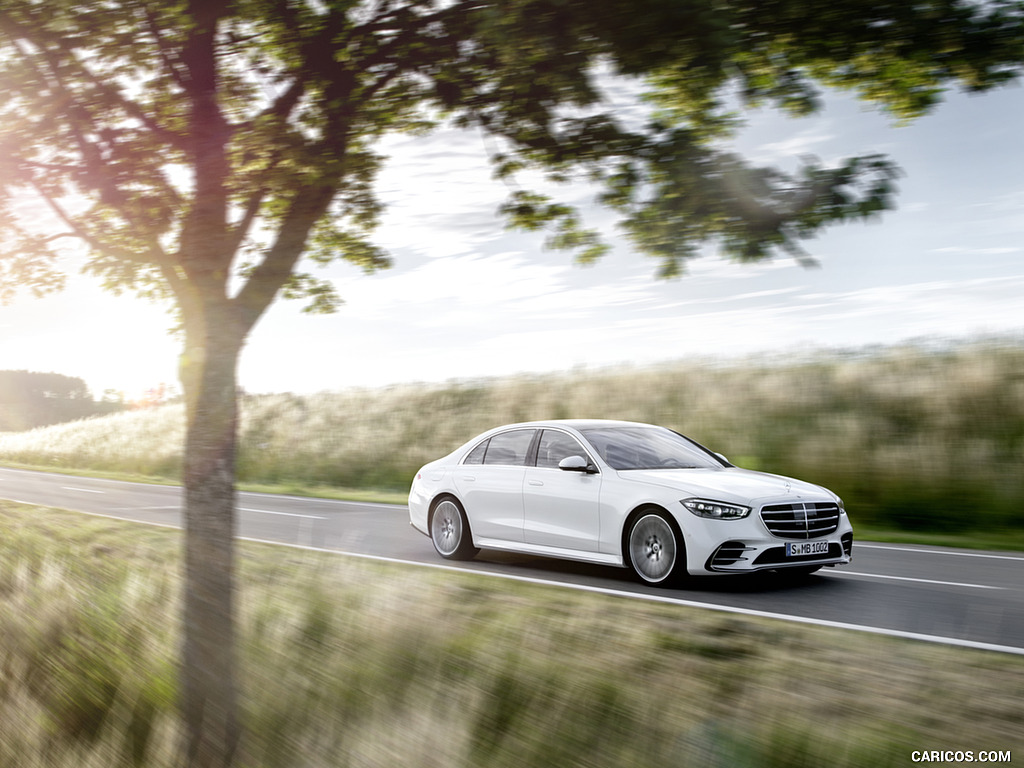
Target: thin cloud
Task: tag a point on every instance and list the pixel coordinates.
(978, 251)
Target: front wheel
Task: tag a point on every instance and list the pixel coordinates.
(656, 553)
(449, 531)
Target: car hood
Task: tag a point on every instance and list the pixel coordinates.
(731, 484)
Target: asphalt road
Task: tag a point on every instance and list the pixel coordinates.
(953, 596)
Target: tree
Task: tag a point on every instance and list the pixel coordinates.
(29, 400)
(202, 148)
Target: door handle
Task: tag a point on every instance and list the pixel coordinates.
(535, 482)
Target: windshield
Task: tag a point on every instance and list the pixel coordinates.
(649, 448)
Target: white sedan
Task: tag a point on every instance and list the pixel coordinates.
(625, 494)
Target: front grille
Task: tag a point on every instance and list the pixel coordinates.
(799, 520)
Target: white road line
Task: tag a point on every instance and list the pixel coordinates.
(33, 503)
(80, 490)
(938, 639)
(318, 500)
(118, 518)
(908, 578)
(241, 493)
(937, 552)
(282, 514)
(149, 509)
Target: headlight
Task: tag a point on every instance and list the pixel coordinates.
(842, 507)
(717, 510)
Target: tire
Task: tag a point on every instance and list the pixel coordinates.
(449, 531)
(655, 550)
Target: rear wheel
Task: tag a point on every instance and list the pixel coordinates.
(656, 554)
(449, 531)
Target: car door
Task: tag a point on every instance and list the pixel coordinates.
(492, 490)
(561, 508)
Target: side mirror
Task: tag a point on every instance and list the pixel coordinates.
(576, 464)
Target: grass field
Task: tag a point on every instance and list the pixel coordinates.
(925, 441)
(351, 663)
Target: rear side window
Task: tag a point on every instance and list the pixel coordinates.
(476, 456)
(509, 447)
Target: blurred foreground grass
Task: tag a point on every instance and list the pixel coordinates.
(354, 663)
(926, 440)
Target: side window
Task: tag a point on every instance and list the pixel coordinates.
(476, 456)
(555, 446)
(509, 447)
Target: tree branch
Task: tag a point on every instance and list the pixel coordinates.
(407, 31)
(166, 52)
(97, 176)
(60, 44)
(155, 254)
(276, 268)
(249, 216)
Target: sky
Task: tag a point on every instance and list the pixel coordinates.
(467, 299)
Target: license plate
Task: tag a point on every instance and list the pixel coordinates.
(804, 548)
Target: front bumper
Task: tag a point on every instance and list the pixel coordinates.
(746, 556)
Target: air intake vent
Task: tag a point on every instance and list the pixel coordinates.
(729, 553)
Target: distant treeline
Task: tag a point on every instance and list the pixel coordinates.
(29, 400)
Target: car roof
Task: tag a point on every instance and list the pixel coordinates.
(576, 424)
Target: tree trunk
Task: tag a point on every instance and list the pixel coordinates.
(209, 692)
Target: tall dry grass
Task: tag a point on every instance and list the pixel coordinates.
(145, 442)
(349, 663)
(928, 439)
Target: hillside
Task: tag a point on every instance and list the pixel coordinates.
(914, 438)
